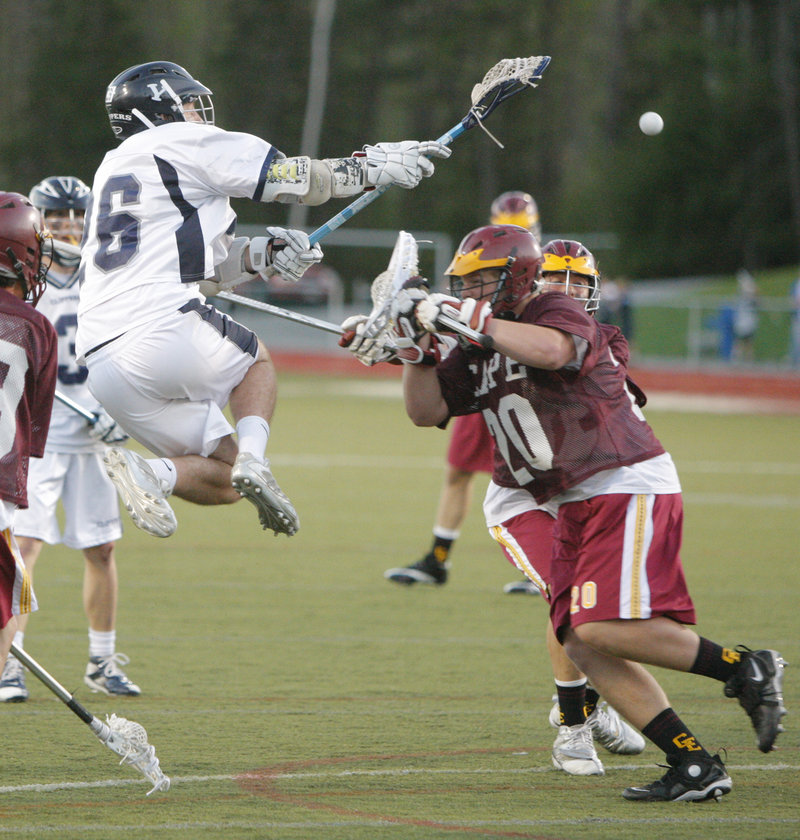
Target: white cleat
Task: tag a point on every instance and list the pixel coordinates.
(574, 752)
(142, 494)
(253, 481)
(613, 733)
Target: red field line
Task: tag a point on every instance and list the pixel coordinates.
(782, 389)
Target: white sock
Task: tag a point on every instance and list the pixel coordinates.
(445, 533)
(18, 637)
(253, 434)
(165, 471)
(102, 643)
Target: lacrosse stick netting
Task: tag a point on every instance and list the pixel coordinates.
(377, 336)
(506, 78)
(125, 737)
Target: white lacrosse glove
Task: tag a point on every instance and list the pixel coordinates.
(404, 304)
(405, 163)
(369, 349)
(472, 313)
(106, 429)
(287, 251)
(353, 332)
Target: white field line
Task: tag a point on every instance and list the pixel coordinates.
(342, 774)
(416, 462)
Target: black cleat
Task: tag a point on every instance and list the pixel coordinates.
(428, 570)
(689, 778)
(758, 683)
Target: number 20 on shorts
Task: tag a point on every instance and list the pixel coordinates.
(583, 597)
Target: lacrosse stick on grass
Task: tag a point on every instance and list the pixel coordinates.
(124, 737)
(506, 78)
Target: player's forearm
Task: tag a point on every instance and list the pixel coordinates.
(422, 394)
(539, 347)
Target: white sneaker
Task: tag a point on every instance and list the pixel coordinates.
(144, 496)
(613, 733)
(574, 752)
(522, 587)
(12, 682)
(254, 482)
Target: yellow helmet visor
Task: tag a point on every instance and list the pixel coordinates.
(467, 263)
(580, 265)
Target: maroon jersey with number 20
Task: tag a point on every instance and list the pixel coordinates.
(553, 429)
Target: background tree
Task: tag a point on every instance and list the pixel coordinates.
(717, 190)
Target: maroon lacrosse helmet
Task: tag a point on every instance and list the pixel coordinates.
(512, 249)
(571, 257)
(516, 208)
(24, 245)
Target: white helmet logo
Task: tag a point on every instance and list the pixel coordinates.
(163, 87)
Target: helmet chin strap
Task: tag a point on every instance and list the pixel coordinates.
(139, 115)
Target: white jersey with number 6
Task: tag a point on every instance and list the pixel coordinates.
(132, 270)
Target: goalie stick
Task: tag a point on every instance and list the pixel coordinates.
(506, 78)
(124, 737)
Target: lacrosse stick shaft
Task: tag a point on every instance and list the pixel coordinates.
(485, 341)
(52, 683)
(282, 313)
(489, 101)
(78, 409)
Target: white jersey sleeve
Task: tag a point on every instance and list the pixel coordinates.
(160, 220)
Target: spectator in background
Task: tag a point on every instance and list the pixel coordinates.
(745, 316)
(794, 299)
(615, 306)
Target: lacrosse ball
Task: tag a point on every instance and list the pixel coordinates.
(651, 123)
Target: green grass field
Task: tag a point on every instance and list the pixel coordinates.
(291, 692)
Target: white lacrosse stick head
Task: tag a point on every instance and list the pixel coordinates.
(129, 740)
(506, 78)
(377, 336)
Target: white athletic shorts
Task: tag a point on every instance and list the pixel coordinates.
(167, 383)
(89, 500)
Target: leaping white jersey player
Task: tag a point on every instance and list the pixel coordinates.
(162, 361)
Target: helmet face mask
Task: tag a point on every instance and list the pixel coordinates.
(487, 282)
(503, 259)
(571, 267)
(25, 246)
(516, 208)
(62, 200)
(148, 95)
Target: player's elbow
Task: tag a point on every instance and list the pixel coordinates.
(556, 353)
(425, 415)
